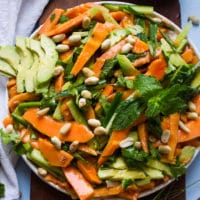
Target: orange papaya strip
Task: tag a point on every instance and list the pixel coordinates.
(12, 91)
(157, 68)
(127, 20)
(59, 82)
(80, 185)
(7, 120)
(64, 56)
(22, 97)
(64, 185)
(65, 110)
(174, 126)
(114, 140)
(54, 156)
(50, 127)
(77, 10)
(67, 26)
(188, 55)
(51, 21)
(90, 113)
(110, 53)
(85, 148)
(113, 144)
(89, 172)
(118, 15)
(196, 101)
(11, 82)
(143, 136)
(100, 32)
(139, 46)
(107, 191)
(194, 126)
(108, 90)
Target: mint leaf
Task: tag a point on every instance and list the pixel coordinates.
(134, 157)
(167, 101)
(148, 86)
(127, 112)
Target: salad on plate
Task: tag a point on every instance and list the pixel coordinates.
(104, 100)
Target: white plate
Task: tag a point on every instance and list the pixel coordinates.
(148, 192)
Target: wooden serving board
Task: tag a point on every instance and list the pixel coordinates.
(168, 8)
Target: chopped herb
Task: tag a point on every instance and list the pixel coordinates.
(127, 182)
(52, 17)
(63, 19)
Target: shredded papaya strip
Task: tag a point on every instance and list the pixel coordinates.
(51, 21)
(100, 32)
(108, 90)
(54, 156)
(157, 68)
(143, 136)
(65, 110)
(80, 185)
(113, 144)
(174, 126)
(59, 82)
(67, 26)
(127, 20)
(90, 113)
(85, 148)
(8, 120)
(19, 98)
(188, 55)
(11, 82)
(107, 191)
(12, 91)
(118, 15)
(89, 171)
(78, 10)
(110, 53)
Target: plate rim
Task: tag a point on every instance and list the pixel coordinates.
(33, 167)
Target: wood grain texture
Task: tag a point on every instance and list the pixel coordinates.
(168, 8)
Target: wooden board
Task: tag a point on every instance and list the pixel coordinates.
(168, 8)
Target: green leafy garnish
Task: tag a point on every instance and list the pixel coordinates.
(63, 19)
(52, 17)
(127, 112)
(134, 157)
(127, 182)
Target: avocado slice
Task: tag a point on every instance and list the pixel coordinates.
(38, 53)
(25, 64)
(10, 55)
(45, 71)
(6, 69)
(30, 82)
